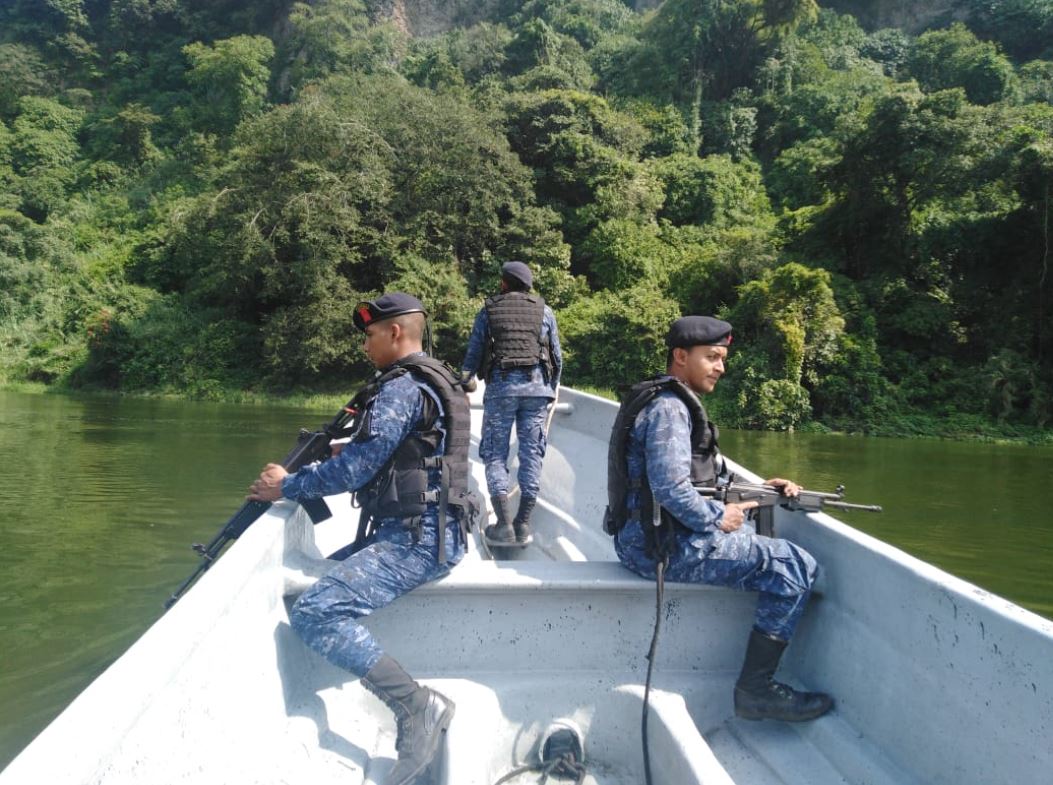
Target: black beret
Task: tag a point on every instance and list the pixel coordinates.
(386, 306)
(517, 272)
(688, 331)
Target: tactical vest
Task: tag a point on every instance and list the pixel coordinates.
(514, 341)
(707, 464)
(400, 488)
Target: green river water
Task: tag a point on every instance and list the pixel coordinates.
(102, 496)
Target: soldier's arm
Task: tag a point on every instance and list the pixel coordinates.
(557, 352)
(476, 343)
(396, 408)
(668, 440)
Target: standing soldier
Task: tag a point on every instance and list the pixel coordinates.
(662, 447)
(514, 346)
(407, 464)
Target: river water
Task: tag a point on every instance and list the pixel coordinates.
(102, 497)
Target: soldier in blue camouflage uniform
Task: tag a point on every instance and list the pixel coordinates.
(395, 559)
(704, 541)
(515, 345)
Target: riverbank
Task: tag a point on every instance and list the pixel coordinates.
(910, 425)
(322, 401)
(915, 425)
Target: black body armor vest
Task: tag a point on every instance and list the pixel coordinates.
(400, 488)
(707, 464)
(515, 333)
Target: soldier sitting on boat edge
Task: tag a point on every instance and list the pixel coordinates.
(662, 447)
(408, 455)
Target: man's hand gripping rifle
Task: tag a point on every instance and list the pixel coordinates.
(311, 446)
(768, 497)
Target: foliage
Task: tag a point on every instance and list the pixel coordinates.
(44, 151)
(593, 333)
(942, 59)
(714, 191)
(193, 195)
(229, 79)
(25, 73)
(1024, 28)
(789, 323)
(334, 37)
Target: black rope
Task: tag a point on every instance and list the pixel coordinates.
(659, 599)
(565, 765)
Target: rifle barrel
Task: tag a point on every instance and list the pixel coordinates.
(310, 446)
(849, 506)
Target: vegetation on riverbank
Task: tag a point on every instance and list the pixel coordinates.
(194, 194)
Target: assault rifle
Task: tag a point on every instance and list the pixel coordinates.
(768, 497)
(310, 446)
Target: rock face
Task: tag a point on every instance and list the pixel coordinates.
(424, 18)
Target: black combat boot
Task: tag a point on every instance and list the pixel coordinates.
(759, 697)
(521, 524)
(500, 533)
(423, 716)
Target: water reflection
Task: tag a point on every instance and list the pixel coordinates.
(979, 511)
(102, 499)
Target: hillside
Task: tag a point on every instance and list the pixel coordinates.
(195, 193)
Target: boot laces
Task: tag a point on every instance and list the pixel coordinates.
(783, 691)
(406, 723)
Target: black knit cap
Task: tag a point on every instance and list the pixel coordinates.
(688, 331)
(386, 306)
(517, 272)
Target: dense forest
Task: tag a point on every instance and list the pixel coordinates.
(194, 193)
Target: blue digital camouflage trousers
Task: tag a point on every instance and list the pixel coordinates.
(781, 571)
(499, 415)
(326, 615)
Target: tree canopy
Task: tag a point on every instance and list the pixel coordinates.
(193, 195)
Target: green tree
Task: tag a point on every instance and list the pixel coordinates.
(615, 338)
(1033, 175)
(693, 50)
(1024, 28)
(620, 254)
(229, 79)
(25, 73)
(44, 149)
(334, 37)
(584, 155)
(713, 191)
(942, 59)
(458, 188)
(904, 150)
(284, 243)
(788, 321)
(132, 25)
(1036, 81)
(126, 137)
(586, 21)
(540, 58)
(889, 47)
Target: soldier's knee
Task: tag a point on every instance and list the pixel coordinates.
(325, 602)
(302, 616)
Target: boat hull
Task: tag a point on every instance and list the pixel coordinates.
(936, 681)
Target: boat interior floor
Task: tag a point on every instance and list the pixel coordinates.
(502, 720)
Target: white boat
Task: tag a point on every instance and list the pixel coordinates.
(936, 680)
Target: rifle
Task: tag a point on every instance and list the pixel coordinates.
(768, 497)
(310, 446)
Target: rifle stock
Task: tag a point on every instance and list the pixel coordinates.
(310, 446)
